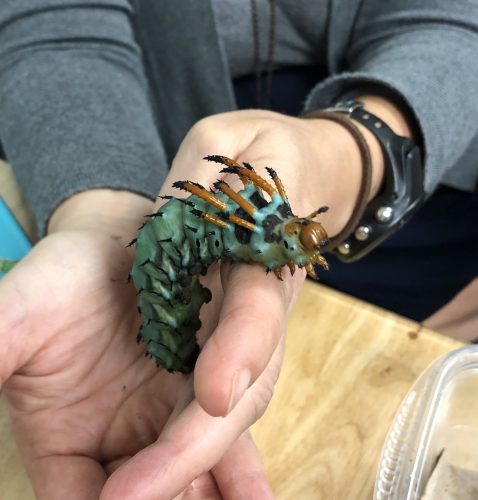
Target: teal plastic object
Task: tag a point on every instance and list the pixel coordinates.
(14, 243)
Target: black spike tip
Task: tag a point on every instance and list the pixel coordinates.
(186, 202)
(197, 184)
(155, 214)
(216, 158)
(271, 172)
(179, 184)
(230, 170)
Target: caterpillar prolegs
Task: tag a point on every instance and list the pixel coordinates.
(186, 236)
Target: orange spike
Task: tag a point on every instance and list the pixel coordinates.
(211, 218)
(257, 180)
(319, 211)
(278, 272)
(311, 271)
(201, 193)
(291, 267)
(234, 168)
(244, 223)
(320, 259)
(230, 163)
(236, 197)
(222, 159)
(278, 183)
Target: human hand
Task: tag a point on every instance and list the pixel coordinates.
(82, 397)
(318, 164)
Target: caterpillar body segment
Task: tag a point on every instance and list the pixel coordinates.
(186, 236)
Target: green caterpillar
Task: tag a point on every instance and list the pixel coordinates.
(186, 236)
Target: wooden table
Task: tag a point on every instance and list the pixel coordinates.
(347, 367)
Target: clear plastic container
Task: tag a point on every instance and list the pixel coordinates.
(440, 412)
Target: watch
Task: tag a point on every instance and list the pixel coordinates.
(402, 193)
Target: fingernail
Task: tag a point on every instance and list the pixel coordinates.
(240, 383)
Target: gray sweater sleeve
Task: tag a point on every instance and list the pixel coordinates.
(427, 53)
(74, 106)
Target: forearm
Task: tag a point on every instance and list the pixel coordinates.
(423, 56)
(74, 108)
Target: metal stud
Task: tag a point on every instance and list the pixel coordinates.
(362, 232)
(344, 248)
(384, 214)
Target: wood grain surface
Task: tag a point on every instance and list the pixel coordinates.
(347, 367)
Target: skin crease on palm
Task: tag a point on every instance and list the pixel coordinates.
(92, 417)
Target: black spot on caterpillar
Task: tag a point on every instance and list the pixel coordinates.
(186, 236)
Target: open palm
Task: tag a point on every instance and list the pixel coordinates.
(84, 399)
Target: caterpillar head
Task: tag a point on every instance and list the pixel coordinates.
(308, 238)
(312, 235)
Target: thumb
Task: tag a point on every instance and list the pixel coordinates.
(28, 302)
(14, 329)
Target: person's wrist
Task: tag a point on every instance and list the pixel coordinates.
(104, 209)
(348, 156)
(400, 158)
(336, 175)
(394, 118)
(389, 112)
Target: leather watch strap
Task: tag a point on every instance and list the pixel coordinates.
(403, 188)
(366, 183)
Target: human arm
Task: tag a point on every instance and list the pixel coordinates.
(75, 112)
(420, 56)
